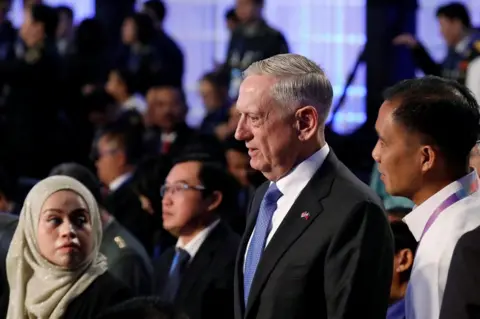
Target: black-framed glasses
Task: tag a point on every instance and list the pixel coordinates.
(179, 187)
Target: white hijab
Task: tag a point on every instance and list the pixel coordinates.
(39, 289)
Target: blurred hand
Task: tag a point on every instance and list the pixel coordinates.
(406, 39)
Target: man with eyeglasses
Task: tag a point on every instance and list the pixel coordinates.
(197, 274)
(117, 152)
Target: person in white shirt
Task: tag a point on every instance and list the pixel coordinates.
(426, 129)
(122, 87)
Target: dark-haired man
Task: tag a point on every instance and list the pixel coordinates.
(118, 152)
(253, 40)
(419, 158)
(405, 248)
(169, 51)
(197, 275)
(463, 47)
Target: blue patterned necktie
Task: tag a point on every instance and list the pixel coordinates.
(262, 229)
(180, 261)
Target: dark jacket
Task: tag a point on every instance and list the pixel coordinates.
(206, 290)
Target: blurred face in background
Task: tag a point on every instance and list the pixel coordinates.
(31, 31)
(65, 25)
(212, 96)
(65, 230)
(110, 160)
(452, 30)
(129, 31)
(115, 86)
(247, 10)
(239, 166)
(165, 108)
(475, 157)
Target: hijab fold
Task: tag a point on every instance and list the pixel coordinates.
(39, 289)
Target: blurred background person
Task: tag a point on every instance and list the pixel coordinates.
(65, 30)
(461, 38)
(405, 247)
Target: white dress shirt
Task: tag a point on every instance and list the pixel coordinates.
(194, 245)
(291, 186)
(135, 102)
(473, 78)
(435, 250)
(117, 182)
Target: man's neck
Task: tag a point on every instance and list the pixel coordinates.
(433, 187)
(189, 234)
(398, 293)
(123, 98)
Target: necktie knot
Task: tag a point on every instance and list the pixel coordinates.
(272, 195)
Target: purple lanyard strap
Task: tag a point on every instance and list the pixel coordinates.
(467, 189)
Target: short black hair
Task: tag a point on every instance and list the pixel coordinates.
(127, 138)
(399, 211)
(444, 112)
(83, 175)
(160, 85)
(47, 16)
(65, 9)
(142, 307)
(455, 11)
(127, 77)
(145, 27)
(214, 177)
(231, 14)
(403, 239)
(219, 79)
(148, 178)
(158, 8)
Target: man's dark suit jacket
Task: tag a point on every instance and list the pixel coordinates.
(125, 206)
(334, 262)
(206, 290)
(127, 259)
(461, 299)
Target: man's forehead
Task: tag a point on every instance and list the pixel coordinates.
(254, 88)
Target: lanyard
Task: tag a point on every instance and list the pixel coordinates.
(468, 188)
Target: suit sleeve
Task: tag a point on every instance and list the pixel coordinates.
(134, 273)
(358, 265)
(461, 299)
(425, 62)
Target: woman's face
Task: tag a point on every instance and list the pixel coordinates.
(129, 31)
(65, 230)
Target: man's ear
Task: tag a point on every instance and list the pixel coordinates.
(306, 122)
(215, 200)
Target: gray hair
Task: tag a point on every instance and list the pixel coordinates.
(301, 82)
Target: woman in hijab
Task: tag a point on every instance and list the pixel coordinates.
(54, 267)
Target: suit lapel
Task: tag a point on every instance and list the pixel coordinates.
(294, 224)
(251, 220)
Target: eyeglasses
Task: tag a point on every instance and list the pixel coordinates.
(179, 187)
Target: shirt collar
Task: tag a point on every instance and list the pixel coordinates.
(303, 171)
(117, 182)
(397, 310)
(419, 216)
(194, 245)
(462, 45)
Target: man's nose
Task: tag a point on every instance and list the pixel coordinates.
(241, 132)
(376, 153)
